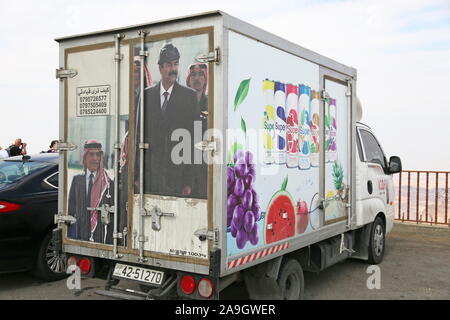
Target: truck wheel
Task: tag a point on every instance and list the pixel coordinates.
(50, 264)
(377, 242)
(290, 279)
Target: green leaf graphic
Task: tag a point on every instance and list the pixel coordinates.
(243, 126)
(338, 175)
(232, 151)
(284, 185)
(241, 93)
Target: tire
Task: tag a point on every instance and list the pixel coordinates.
(377, 241)
(50, 265)
(290, 279)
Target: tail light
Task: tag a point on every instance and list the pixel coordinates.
(85, 265)
(187, 284)
(8, 206)
(72, 261)
(205, 288)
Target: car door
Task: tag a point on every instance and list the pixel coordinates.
(377, 189)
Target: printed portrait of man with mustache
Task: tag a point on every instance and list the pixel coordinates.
(168, 106)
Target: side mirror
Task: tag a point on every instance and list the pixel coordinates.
(395, 165)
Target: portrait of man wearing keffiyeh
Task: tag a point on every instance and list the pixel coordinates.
(89, 190)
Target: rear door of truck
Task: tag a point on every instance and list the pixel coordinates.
(163, 213)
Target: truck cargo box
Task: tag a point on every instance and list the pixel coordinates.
(251, 157)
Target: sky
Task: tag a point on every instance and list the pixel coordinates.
(401, 50)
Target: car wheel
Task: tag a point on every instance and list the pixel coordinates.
(290, 279)
(50, 263)
(377, 242)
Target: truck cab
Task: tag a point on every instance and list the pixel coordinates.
(375, 191)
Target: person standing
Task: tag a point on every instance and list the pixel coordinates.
(168, 106)
(197, 79)
(18, 148)
(91, 189)
(53, 146)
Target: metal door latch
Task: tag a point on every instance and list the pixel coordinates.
(156, 213)
(62, 73)
(210, 57)
(105, 211)
(324, 204)
(205, 234)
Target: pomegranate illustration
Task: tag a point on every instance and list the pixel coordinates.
(302, 216)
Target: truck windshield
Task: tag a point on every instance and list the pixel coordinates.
(13, 171)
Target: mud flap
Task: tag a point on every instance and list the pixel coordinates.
(261, 281)
(362, 239)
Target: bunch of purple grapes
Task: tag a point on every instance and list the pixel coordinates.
(243, 210)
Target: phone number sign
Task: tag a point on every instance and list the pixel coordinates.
(94, 101)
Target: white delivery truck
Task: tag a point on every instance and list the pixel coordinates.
(202, 150)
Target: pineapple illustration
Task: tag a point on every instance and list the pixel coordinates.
(338, 179)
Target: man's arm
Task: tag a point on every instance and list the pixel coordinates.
(24, 149)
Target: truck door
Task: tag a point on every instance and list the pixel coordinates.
(378, 183)
(172, 217)
(95, 125)
(336, 149)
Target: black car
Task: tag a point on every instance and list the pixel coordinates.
(28, 203)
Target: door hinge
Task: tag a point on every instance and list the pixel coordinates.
(62, 73)
(324, 95)
(210, 57)
(66, 219)
(66, 146)
(205, 234)
(206, 146)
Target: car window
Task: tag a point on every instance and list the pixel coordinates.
(12, 171)
(358, 143)
(372, 149)
(53, 180)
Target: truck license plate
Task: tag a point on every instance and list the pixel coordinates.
(138, 273)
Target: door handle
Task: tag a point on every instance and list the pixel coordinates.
(369, 186)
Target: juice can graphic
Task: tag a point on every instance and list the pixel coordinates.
(332, 131)
(304, 137)
(280, 123)
(268, 121)
(292, 126)
(314, 125)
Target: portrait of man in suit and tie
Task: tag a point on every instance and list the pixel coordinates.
(90, 190)
(168, 106)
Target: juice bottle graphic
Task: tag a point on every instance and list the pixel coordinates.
(314, 125)
(331, 150)
(292, 126)
(304, 137)
(268, 121)
(280, 123)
